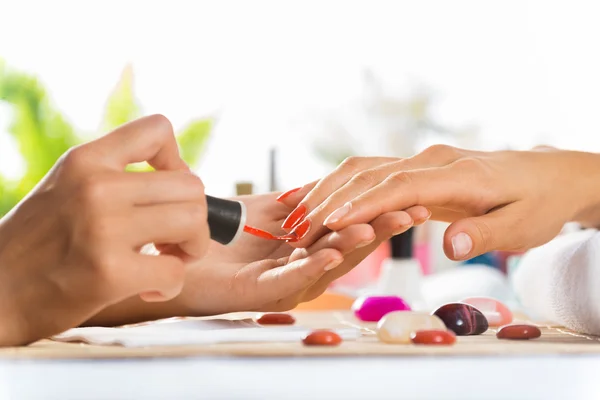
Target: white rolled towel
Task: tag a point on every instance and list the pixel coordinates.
(560, 281)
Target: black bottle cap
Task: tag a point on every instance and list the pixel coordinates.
(226, 219)
(402, 245)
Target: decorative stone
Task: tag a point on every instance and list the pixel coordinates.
(496, 313)
(276, 319)
(462, 319)
(322, 338)
(519, 332)
(433, 337)
(397, 326)
(373, 308)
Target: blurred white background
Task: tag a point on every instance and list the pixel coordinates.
(523, 72)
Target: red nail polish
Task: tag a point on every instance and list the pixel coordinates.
(295, 217)
(301, 230)
(287, 194)
(267, 235)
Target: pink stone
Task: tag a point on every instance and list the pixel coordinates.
(494, 311)
(373, 308)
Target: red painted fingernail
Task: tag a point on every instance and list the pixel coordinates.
(295, 217)
(287, 194)
(301, 230)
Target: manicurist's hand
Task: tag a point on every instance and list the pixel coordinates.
(504, 200)
(71, 247)
(260, 275)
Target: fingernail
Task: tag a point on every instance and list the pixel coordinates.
(301, 230)
(405, 220)
(365, 243)
(282, 261)
(332, 264)
(295, 216)
(402, 229)
(461, 245)
(338, 214)
(428, 215)
(152, 297)
(287, 194)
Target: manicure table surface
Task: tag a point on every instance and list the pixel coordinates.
(560, 364)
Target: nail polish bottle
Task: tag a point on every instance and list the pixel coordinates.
(401, 274)
(226, 220)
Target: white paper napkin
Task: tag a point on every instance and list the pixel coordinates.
(175, 332)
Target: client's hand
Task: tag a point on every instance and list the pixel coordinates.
(258, 275)
(500, 200)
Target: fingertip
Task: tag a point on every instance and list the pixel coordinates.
(337, 216)
(404, 219)
(363, 234)
(392, 223)
(419, 214)
(153, 297)
(332, 264)
(295, 217)
(326, 255)
(458, 243)
(293, 197)
(301, 233)
(287, 197)
(328, 258)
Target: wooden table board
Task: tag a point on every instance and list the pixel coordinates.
(554, 340)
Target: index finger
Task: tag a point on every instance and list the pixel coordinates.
(323, 188)
(148, 139)
(443, 186)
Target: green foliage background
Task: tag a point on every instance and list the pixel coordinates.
(43, 134)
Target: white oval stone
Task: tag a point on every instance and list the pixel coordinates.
(397, 326)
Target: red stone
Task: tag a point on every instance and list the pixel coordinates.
(276, 319)
(519, 332)
(433, 337)
(322, 338)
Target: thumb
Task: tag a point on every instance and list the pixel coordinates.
(471, 237)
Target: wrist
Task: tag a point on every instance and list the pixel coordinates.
(586, 176)
(18, 325)
(12, 324)
(134, 310)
